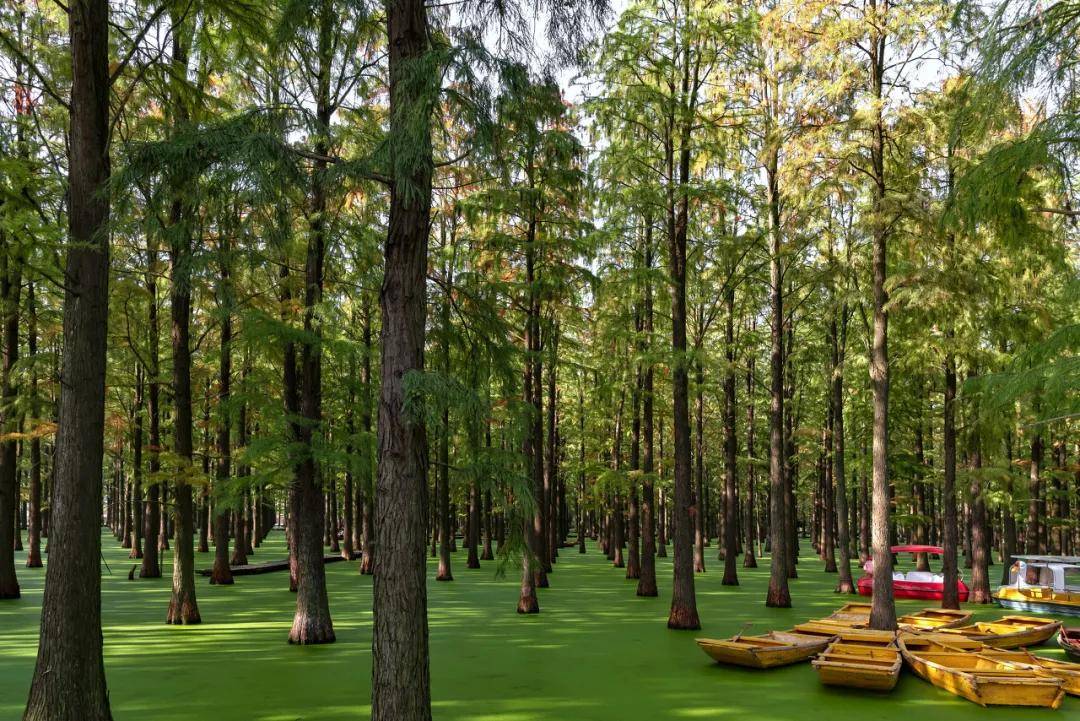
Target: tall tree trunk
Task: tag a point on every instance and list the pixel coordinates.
(1033, 533)
(400, 685)
(633, 561)
(183, 606)
(136, 453)
(731, 481)
(367, 521)
(151, 568)
(221, 573)
(647, 580)
(1008, 520)
(551, 461)
(700, 507)
(883, 612)
(684, 614)
(749, 516)
(844, 583)
(33, 546)
(69, 677)
(980, 541)
(10, 287)
(778, 595)
(312, 623)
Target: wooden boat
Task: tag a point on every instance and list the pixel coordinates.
(981, 679)
(768, 650)
(1069, 640)
(850, 614)
(1069, 673)
(861, 659)
(1041, 584)
(857, 615)
(929, 619)
(1008, 631)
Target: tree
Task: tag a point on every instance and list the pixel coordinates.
(69, 677)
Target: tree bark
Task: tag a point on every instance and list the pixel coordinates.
(731, 503)
(400, 680)
(10, 287)
(221, 573)
(883, 611)
(183, 606)
(69, 677)
(151, 567)
(749, 515)
(647, 580)
(778, 595)
(312, 623)
(683, 614)
(33, 540)
(844, 583)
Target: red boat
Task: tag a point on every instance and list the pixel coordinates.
(913, 584)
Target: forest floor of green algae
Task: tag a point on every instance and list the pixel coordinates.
(596, 652)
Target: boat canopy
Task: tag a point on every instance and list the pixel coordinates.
(1067, 560)
(920, 549)
(1048, 572)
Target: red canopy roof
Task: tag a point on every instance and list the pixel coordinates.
(918, 549)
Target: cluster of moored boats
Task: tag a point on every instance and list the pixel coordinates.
(985, 662)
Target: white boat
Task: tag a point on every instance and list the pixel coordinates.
(1042, 584)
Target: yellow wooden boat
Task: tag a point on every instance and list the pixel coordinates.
(850, 614)
(1067, 671)
(1007, 632)
(768, 650)
(983, 680)
(861, 659)
(930, 619)
(857, 615)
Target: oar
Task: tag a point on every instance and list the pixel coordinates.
(742, 630)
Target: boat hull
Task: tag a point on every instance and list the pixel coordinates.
(1069, 641)
(868, 663)
(924, 590)
(984, 681)
(1032, 606)
(767, 651)
(1008, 632)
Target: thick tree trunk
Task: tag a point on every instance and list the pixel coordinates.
(183, 607)
(400, 680)
(883, 612)
(980, 541)
(69, 677)
(312, 623)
